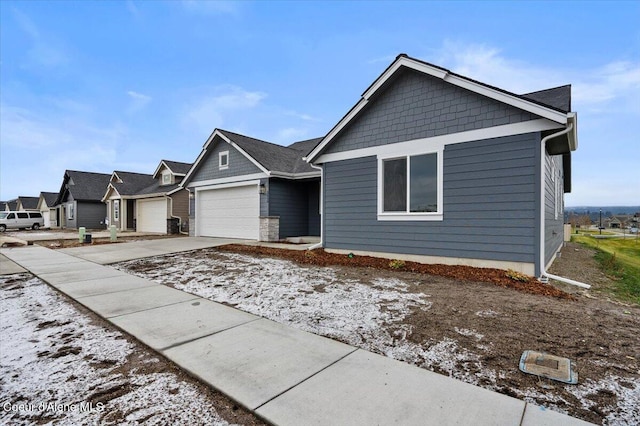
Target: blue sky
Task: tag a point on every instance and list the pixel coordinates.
(120, 85)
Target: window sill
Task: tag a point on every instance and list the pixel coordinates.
(223, 167)
(410, 216)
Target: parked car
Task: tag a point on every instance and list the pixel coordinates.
(20, 220)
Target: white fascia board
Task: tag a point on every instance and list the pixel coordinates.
(178, 189)
(403, 61)
(110, 188)
(295, 176)
(233, 179)
(557, 116)
(202, 153)
(345, 120)
(243, 152)
(435, 142)
(228, 185)
(162, 163)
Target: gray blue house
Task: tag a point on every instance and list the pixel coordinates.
(433, 166)
(79, 202)
(241, 187)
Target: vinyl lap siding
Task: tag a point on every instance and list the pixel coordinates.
(489, 205)
(553, 228)
(290, 201)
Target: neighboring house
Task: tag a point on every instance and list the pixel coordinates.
(3, 206)
(47, 206)
(11, 205)
(27, 204)
(435, 167)
(243, 187)
(149, 203)
(79, 202)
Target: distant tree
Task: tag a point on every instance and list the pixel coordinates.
(584, 221)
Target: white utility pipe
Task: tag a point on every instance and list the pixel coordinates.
(319, 245)
(544, 273)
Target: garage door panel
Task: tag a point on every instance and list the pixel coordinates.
(229, 212)
(151, 216)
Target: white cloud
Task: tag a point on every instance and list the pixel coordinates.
(137, 102)
(207, 112)
(40, 144)
(616, 81)
(301, 116)
(290, 135)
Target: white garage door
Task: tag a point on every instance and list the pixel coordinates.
(229, 212)
(151, 215)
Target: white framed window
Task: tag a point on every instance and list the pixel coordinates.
(166, 178)
(70, 211)
(410, 186)
(223, 160)
(116, 209)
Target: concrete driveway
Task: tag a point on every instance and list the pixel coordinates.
(105, 254)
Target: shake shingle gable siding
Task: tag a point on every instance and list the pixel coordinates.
(416, 106)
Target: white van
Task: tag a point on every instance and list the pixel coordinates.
(20, 220)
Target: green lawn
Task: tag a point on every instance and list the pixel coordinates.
(620, 259)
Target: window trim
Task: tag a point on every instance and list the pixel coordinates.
(166, 181)
(116, 210)
(408, 215)
(221, 155)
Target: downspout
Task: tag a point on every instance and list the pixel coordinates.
(319, 245)
(544, 275)
(175, 217)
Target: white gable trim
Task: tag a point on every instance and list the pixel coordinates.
(162, 163)
(403, 61)
(436, 142)
(205, 149)
(110, 189)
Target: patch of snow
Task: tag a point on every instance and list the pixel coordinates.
(488, 314)
(626, 410)
(50, 353)
(469, 333)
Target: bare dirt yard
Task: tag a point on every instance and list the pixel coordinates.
(61, 364)
(467, 323)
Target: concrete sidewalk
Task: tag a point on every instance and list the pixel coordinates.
(286, 376)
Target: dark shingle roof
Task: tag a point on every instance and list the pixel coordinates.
(13, 204)
(49, 198)
(132, 183)
(29, 203)
(555, 100)
(178, 167)
(88, 186)
(275, 158)
(556, 97)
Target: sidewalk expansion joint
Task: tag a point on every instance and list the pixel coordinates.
(207, 335)
(79, 299)
(304, 380)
